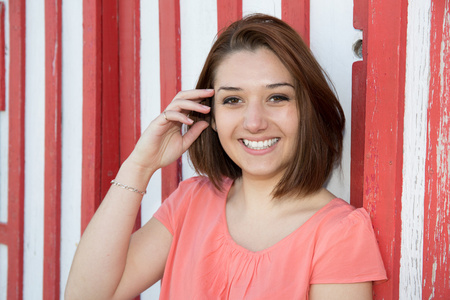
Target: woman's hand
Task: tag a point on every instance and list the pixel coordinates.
(162, 142)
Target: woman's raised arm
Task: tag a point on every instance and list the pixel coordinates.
(110, 263)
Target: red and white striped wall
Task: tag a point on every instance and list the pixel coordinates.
(80, 80)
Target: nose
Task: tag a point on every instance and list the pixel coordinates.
(255, 118)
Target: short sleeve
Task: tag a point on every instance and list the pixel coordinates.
(348, 253)
(174, 207)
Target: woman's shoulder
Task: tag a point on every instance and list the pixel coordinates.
(346, 249)
(340, 215)
(194, 197)
(195, 189)
(203, 184)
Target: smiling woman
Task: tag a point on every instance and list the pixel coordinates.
(265, 52)
(265, 131)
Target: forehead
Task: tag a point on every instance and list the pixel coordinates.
(246, 67)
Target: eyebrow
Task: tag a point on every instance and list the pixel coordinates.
(275, 85)
(229, 88)
(269, 86)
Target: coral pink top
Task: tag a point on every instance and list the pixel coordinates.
(336, 245)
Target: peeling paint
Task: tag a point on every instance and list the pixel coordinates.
(436, 283)
(414, 149)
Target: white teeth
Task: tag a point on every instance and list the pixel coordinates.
(261, 144)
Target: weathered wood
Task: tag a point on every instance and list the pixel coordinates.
(436, 269)
(110, 89)
(297, 14)
(386, 44)
(129, 65)
(92, 64)
(16, 159)
(170, 76)
(52, 180)
(2, 58)
(358, 117)
(414, 153)
(228, 12)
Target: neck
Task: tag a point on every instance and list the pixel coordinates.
(255, 194)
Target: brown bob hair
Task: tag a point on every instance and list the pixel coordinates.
(321, 118)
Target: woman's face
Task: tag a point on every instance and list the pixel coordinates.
(256, 112)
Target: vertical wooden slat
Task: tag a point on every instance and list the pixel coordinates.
(359, 71)
(92, 63)
(52, 181)
(4, 233)
(228, 12)
(16, 160)
(2, 58)
(110, 139)
(170, 76)
(436, 270)
(129, 32)
(130, 98)
(386, 44)
(297, 14)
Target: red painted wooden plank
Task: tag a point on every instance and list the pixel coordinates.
(359, 71)
(436, 270)
(3, 233)
(359, 76)
(16, 160)
(110, 139)
(92, 64)
(386, 47)
(130, 96)
(129, 31)
(297, 14)
(2, 58)
(52, 181)
(228, 12)
(170, 76)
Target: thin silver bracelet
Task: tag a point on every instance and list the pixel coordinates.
(124, 186)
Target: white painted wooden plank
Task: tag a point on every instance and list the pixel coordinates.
(331, 38)
(414, 148)
(270, 7)
(4, 132)
(198, 21)
(150, 107)
(34, 150)
(72, 122)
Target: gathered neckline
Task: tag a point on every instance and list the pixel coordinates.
(223, 218)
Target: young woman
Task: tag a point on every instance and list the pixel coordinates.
(265, 131)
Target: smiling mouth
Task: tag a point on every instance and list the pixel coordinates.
(260, 145)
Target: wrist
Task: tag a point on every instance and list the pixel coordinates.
(134, 174)
(136, 165)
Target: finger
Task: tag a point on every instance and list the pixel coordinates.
(174, 116)
(183, 105)
(197, 94)
(193, 133)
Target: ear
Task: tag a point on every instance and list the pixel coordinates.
(213, 124)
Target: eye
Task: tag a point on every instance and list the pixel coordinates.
(231, 100)
(278, 98)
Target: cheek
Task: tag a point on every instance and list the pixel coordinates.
(225, 126)
(223, 121)
(288, 120)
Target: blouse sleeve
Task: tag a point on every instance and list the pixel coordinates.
(174, 207)
(348, 253)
